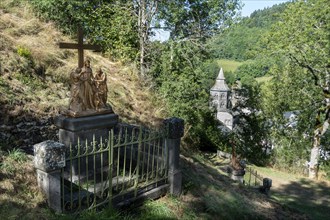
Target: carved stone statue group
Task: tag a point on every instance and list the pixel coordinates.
(88, 92)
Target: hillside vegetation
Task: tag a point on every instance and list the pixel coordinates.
(34, 81)
(245, 42)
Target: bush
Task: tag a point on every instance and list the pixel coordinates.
(252, 69)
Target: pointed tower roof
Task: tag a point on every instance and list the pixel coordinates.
(220, 83)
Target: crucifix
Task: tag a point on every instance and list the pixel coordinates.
(88, 92)
(80, 46)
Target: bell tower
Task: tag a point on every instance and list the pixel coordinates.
(220, 93)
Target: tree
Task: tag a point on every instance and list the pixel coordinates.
(197, 19)
(146, 11)
(301, 40)
(242, 40)
(250, 132)
(110, 23)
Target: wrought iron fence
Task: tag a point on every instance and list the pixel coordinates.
(252, 178)
(127, 163)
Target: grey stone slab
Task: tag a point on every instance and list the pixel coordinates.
(49, 156)
(86, 123)
(50, 184)
(175, 182)
(68, 137)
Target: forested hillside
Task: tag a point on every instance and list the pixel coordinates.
(243, 40)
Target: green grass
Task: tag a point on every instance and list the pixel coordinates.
(263, 79)
(299, 193)
(15, 155)
(229, 65)
(275, 174)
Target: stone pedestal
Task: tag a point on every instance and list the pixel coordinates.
(266, 184)
(84, 128)
(175, 129)
(49, 159)
(85, 131)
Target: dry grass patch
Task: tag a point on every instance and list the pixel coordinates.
(37, 70)
(20, 195)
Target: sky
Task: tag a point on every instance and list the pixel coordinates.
(252, 5)
(249, 6)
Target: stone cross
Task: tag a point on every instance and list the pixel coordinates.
(80, 46)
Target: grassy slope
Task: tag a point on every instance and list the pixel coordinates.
(300, 193)
(34, 80)
(35, 72)
(34, 75)
(229, 65)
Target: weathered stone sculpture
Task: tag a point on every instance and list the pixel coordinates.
(100, 81)
(75, 100)
(88, 92)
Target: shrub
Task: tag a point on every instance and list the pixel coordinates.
(24, 52)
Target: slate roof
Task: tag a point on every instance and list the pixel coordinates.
(220, 83)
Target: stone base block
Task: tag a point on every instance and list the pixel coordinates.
(84, 128)
(71, 138)
(49, 156)
(86, 123)
(175, 182)
(50, 184)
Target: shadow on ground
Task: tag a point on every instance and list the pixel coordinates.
(308, 196)
(212, 195)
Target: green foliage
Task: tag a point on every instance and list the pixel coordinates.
(238, 43)
(114, 28)
(252, 69)
(198, 19)
(184, 78)
(291, 153)
(108, 23)
(251, 133)
(300, 44)
(243, 40)
(24, 52)
(68, 14)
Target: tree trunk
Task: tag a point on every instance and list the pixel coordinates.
(314, 157)
(142, 32)
(142, 49)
